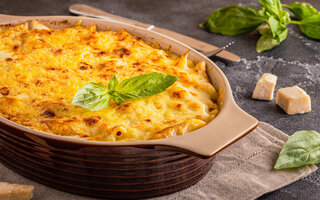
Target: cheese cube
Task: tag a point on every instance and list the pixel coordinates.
(293, 100)
(265, 87)
(15, 191)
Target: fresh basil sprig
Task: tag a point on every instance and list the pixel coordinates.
(94, 96)
(235, 20)
(302, 148)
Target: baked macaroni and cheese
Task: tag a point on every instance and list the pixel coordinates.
(41, 70)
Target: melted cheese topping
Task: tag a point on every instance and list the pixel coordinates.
(41, 70)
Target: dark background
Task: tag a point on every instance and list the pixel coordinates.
(296, 61)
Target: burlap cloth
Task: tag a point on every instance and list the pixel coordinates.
(244, 170)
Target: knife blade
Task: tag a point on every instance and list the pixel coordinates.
(85, 10)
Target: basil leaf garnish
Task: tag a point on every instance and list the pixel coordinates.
(116, 97)
(301, 10)
(234, 20)
(145, 85)
(302, 148)
(113, 83)
(92, 96)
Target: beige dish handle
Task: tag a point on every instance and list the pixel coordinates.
(206, 141)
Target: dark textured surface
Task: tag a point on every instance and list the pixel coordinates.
(296, 61)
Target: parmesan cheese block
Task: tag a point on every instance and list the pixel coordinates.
(293, 100)
(15, 191)
(265, 87)
(41, 70)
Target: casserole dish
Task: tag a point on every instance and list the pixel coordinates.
(128, 169)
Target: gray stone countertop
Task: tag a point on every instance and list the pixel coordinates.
(296, 61)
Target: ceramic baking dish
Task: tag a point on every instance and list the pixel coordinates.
(129, 169)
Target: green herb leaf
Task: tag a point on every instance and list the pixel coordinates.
(310, 26)
(113, 83)
(273, 7)
(116, 97)
(275, 26)
(92, 96)
(234, 20)
(263, 29)
(285, 17)
(145, 85)
(266, 41)
(302, 148)
(301, 10)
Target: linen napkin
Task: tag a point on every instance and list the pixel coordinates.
(244, 170)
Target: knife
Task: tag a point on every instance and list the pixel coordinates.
(84, 10)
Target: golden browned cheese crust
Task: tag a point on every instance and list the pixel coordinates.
(41, 69)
